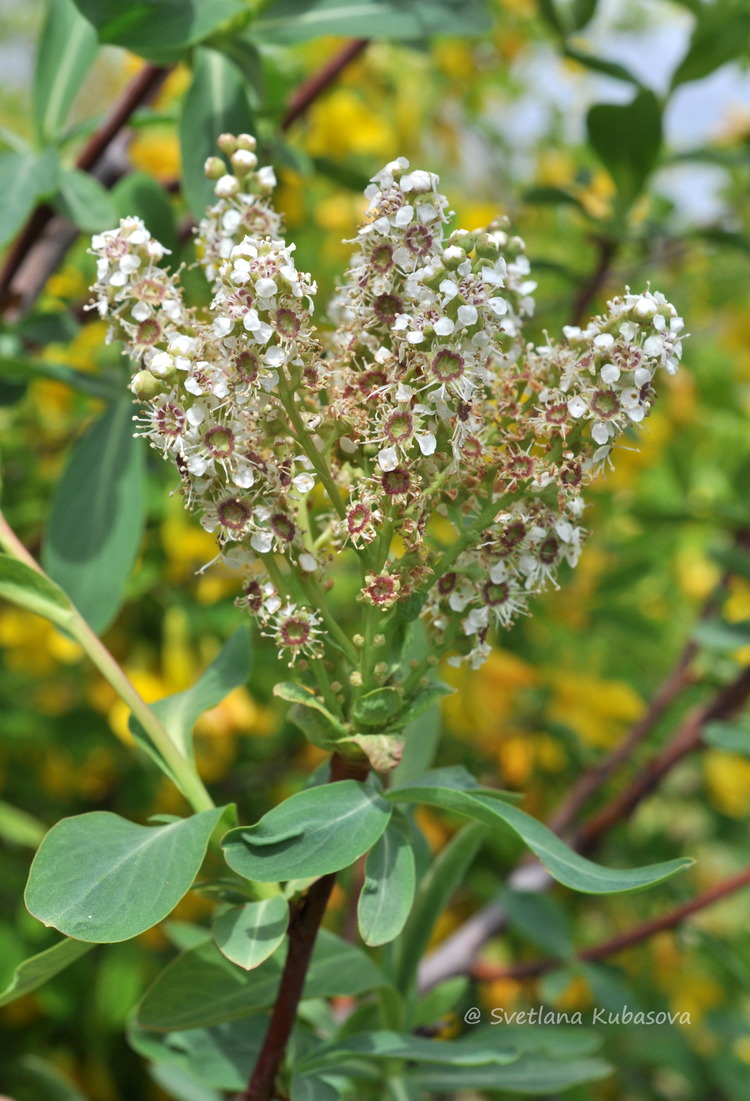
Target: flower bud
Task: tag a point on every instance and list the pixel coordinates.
(227, 143)
(214, 168)
(246, 142)
(146, 386)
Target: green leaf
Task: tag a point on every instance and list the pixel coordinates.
(421, 739)
(84, 201)
(158, 31)
(101, 879)
(20, 828)
(25, 179)
(201, 988)
(564, 865)
(541, 920)
(728, 736)
(180, 1084)
(179, 713)
(376, 708)
(99, 386)
(67, 48)
(627, 139)
(551, 196)
(216, 103)
(531, 1074)
(717, 634)
(308, 1088)
(39, 969)
(40, 1079)
(311, 715)
(600, 65)
(221, 1056)
(288, 21)
(720, 35)
(249, 934)
(317, 831)
(97, 518)
(140, 195)
(424, 700)
(28, 588)
(388, 889)
(494, 1051)
(735, 560)
(435, 891)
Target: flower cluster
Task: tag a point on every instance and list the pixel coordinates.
(421, 438)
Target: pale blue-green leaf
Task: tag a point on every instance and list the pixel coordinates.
(421, 738)
(560, 1041)
(564, 865)
(435, 891)
(377, 707)
(179, 713)
(601, 65)
(181, 1085)
(67, 48)
(541, 920)
(221, 1057)
(84, 201)
(388, 890)
(531, 1074)
(25, 179)
(100, 878)
(158, 31)
(717, 634)
(28, 588)
(306, 1087)
(393, 1045)
(424, 700)
(314, 832)
(19, 827)
(215, 103)
(437, 1004)
(249, 934)
(98, 513)
(627, 138)
(39, 969)
(202, 988)
(730, 737)
(290, 21)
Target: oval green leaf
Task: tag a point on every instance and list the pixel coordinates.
(627, 138)
(388, 889)
(202, 988)
(249, 934)
(97, 518)
(100, 879)
(317, 831)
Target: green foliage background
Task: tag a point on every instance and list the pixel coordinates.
(666, 561)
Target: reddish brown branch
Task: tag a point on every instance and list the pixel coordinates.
(591, 287)
(140, 90)
(309, 91)
(726, 703)
(303, 929)
(487, 972)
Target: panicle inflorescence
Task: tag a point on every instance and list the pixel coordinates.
(422, 433)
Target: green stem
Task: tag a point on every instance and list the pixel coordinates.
(314, 593)
(177, 767)
(303, 438)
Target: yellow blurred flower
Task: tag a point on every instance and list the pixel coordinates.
(595, 709)
(727, 777)
(342, 123)
(696, 574)
(500, 994)
(156, 151)
(485, 697)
